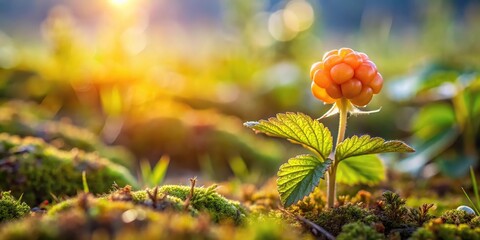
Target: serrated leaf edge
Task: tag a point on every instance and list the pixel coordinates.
(367, 139)
(280, 118)
(286, 202)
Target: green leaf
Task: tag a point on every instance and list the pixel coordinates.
(433, 119)
(356, 146)
(428, 150)
(454, 165)
(299, 176)
(297, 128)
(366, 169)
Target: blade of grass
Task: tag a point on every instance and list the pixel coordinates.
(20, 198)
(145, 171)
(239, 168)
(159, 171)
(55, 198)
(471, 202)
(84, 182)
(475, 186)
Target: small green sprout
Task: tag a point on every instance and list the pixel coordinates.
(352, 161)
(152, 177)
(476, 204)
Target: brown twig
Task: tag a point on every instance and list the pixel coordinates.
(314, 227)
(154, 197)
(192, 189)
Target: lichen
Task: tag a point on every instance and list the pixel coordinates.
(11, 208)
(31, 167)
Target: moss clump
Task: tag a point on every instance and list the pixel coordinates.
(359, 231)
(392, 211)
(475, 222)
(261, 200)
(311, 205)
(173, 198)
(456, 217)
(35, 169)
(163, 203)
(29, 119)
(335, 218)
(86, 217)
(439, 230)
(124, 215)
(203, 199)
(11, 208)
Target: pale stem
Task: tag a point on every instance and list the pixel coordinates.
(342, 105)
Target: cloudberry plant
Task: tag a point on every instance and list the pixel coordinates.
(347, 79)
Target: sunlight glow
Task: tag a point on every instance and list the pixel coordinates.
(119, 2)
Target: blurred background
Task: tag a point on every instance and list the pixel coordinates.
(143, 80)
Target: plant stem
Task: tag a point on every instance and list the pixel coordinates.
(342, 105)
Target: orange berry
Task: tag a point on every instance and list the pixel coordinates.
(331, 61)
(322, 79)
(353, 59)
(365, 73)
(315, 67)
(364, 97)
(351, 88)
(321, 94)
(329, 53)
(341, 73)
(342, 52)
(377, 83)
(371, 64)
(363, 56)
(334, 91)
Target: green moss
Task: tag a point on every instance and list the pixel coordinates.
(456, 217)
(204, 199)
(87, 217)
(37, 170)
(174, 198)
(333, 219)
(29, 119)
(62, 206)
(438, 230)
(475, 222)
(359, 231)
(11, 208)
(392, 211)
(418, 216)
(269, 228)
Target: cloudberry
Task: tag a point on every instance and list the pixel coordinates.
(345, 73)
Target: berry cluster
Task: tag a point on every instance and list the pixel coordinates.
(345, 73)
